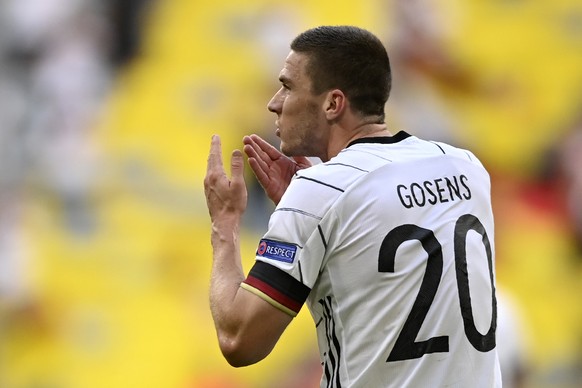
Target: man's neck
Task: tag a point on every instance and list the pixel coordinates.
(344, 137)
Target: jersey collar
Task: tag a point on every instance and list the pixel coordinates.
(401, 135)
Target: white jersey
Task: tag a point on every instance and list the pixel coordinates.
(390, 243)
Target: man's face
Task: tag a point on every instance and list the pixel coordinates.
(301, 123)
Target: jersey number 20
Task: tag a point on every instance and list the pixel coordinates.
(406, 347)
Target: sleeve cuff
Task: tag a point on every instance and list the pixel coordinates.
(276, 287)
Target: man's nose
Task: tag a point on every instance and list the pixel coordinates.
(274, 104)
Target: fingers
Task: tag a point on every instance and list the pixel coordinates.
(214, 169)
(258, 160)
(252, 149)
(237, 168)
(255, 160)
(262, 147)
(225, 197)
(270, 150)
(215, 155)
(302, 161)
(259, 171)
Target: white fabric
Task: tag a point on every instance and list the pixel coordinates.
(338, 214)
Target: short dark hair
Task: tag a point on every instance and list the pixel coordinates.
(350, 59)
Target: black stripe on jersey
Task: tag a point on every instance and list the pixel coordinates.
(469, 156)
(397, 137)
(294, 210)
(320, 182)
(280, 281)
(333, 377)
(346, 165)
(327, 372)
(322, 236)
(441, 148)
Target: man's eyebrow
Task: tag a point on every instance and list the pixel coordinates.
(284, 80)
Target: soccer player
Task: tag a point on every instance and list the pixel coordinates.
(389, 241)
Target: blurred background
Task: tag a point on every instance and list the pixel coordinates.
(106, 112)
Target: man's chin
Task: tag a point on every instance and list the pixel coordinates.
(285, 149)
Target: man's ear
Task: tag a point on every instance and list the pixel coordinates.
(335, 104)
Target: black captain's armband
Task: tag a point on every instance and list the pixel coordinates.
(440, 190)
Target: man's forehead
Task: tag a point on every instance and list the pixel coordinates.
(294, 66)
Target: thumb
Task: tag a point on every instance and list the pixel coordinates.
(302, 162)
(237, 167)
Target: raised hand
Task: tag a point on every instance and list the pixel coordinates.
(226, 198)
(272, 169)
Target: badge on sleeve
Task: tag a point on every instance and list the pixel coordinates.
(277, 250)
